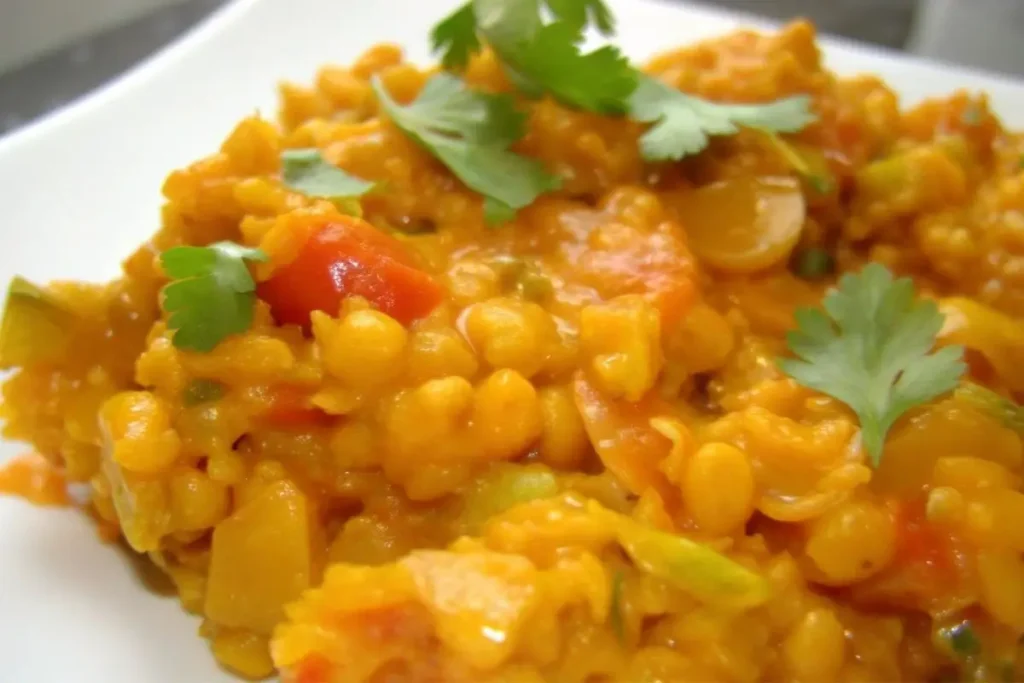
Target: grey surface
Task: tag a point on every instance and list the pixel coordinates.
(52, 81)
(882, 22)
(56, 79)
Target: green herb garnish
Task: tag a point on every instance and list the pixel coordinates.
(581, 13)
(200, 391)
(552, 63)
(455, 37)
(683, 124)
(813, 263)
(546, 59)
(470, 133)
(211, 294)
(871, 348)
(306, 171)
(542, 58)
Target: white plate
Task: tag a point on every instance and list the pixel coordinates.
(80, 189)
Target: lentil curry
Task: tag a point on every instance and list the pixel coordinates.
(483, 374)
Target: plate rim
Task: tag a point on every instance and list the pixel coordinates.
(219, 21)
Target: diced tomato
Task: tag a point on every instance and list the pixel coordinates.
(921, 545)
(290, 408)
(313, 669)
(925, 574)
(349, 257)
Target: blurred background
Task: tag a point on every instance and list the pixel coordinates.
(53, 51)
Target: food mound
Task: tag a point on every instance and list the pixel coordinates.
(537, 367)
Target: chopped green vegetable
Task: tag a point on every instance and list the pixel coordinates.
(871, 349)
(542, 58)
(509, 269)
(690, 566)
(683, 123)
(36, 326)
(211, 294)
(615, 615)
(522, 276)
(1020, 162)
(503, 487)
(822, 183)
(1003, 409)
(534, 286)
(469, 132)
(813, 263)
(200, 391)
(306, 171)
(962, 639)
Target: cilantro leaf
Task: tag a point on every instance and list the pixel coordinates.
(871, 349)
(683, 123)
(469, 132)
(497, 212)
(580, 13)
(552, 62)
(507, 22)
(447, 106)
(306, 171)
(211, 293)
(455, 38)
(542, 59)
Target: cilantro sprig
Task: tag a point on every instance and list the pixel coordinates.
(543, 58)
(211, 294)
(457, 36)
(682, 124)
(551, 62)
(470, 133)
(546, 58)
(306, 171)
(871, 348)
